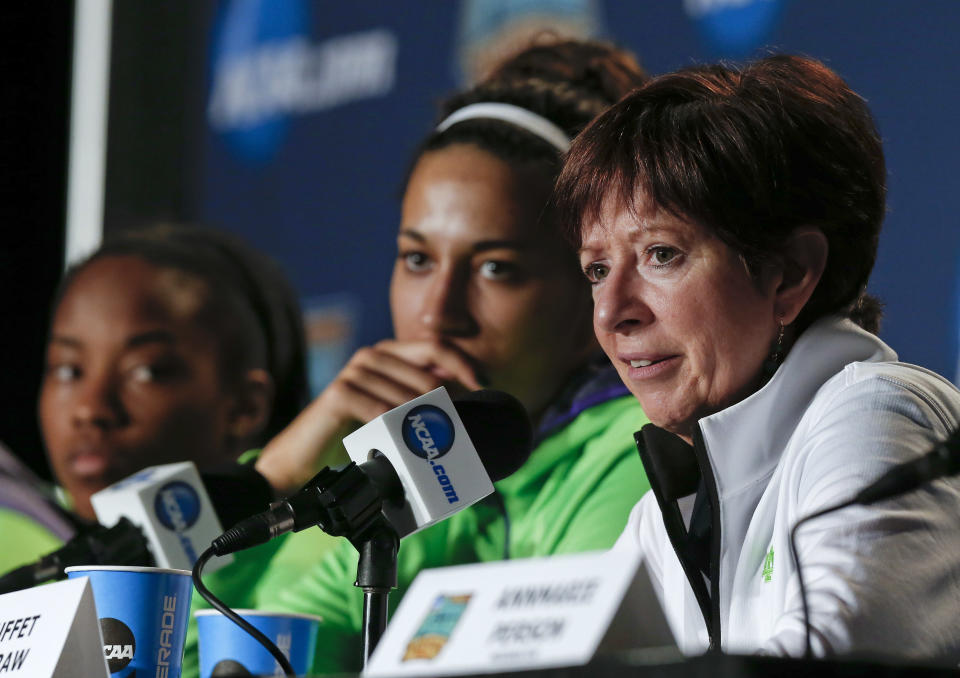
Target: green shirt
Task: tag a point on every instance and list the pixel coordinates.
(573, 494)
(24, 540)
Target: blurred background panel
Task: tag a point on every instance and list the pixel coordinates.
(36, 42)
(292, 123)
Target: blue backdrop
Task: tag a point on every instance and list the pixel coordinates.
(314, 108)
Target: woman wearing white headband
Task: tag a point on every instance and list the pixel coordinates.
(485, 292)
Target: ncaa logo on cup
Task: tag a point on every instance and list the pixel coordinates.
(119, 645)
(428, 432)
(229, 668)
(177, 505)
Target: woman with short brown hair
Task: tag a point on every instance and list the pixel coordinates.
(727, 219)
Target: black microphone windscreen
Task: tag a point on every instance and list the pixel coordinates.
(499, 427)
(237, 491)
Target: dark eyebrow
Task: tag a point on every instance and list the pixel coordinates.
(480, 246)
(412, 234)
(152, 337)
(65, 341)
(149, 337)
(502, 244)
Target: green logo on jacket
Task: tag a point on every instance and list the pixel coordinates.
(767, 573)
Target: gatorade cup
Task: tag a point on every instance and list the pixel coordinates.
(143, 614)
(228, 650)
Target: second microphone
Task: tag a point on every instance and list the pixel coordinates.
(416, 464)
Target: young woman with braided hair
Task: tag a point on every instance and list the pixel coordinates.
(486, 292)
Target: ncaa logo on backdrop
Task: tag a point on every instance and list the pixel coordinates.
(249, 35)
(428, 432)
(734, 28)
(177, 506)
(266, 69)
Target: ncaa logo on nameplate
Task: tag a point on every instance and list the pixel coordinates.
(428, 432)
(177, 506)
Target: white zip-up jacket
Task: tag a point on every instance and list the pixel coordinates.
(882, 579)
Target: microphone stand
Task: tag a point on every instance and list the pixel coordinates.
(343, 502)
(377, 576)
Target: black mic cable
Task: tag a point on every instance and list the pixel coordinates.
(344, 502)
(808, 648)
(222, 607)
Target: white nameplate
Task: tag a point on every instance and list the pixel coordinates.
(51, 631)
(521, 614)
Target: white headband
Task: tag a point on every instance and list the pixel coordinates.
(521, 117)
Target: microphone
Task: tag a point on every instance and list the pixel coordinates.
(413, 466)
(942, 460)
(181, 510)
(157, 516)
(122, 544)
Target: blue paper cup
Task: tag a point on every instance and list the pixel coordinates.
(143, 614)
(228, 650)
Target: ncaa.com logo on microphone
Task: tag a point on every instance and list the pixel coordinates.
(428, 432)
(177, 506)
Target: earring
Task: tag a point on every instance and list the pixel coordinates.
(776, 356)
